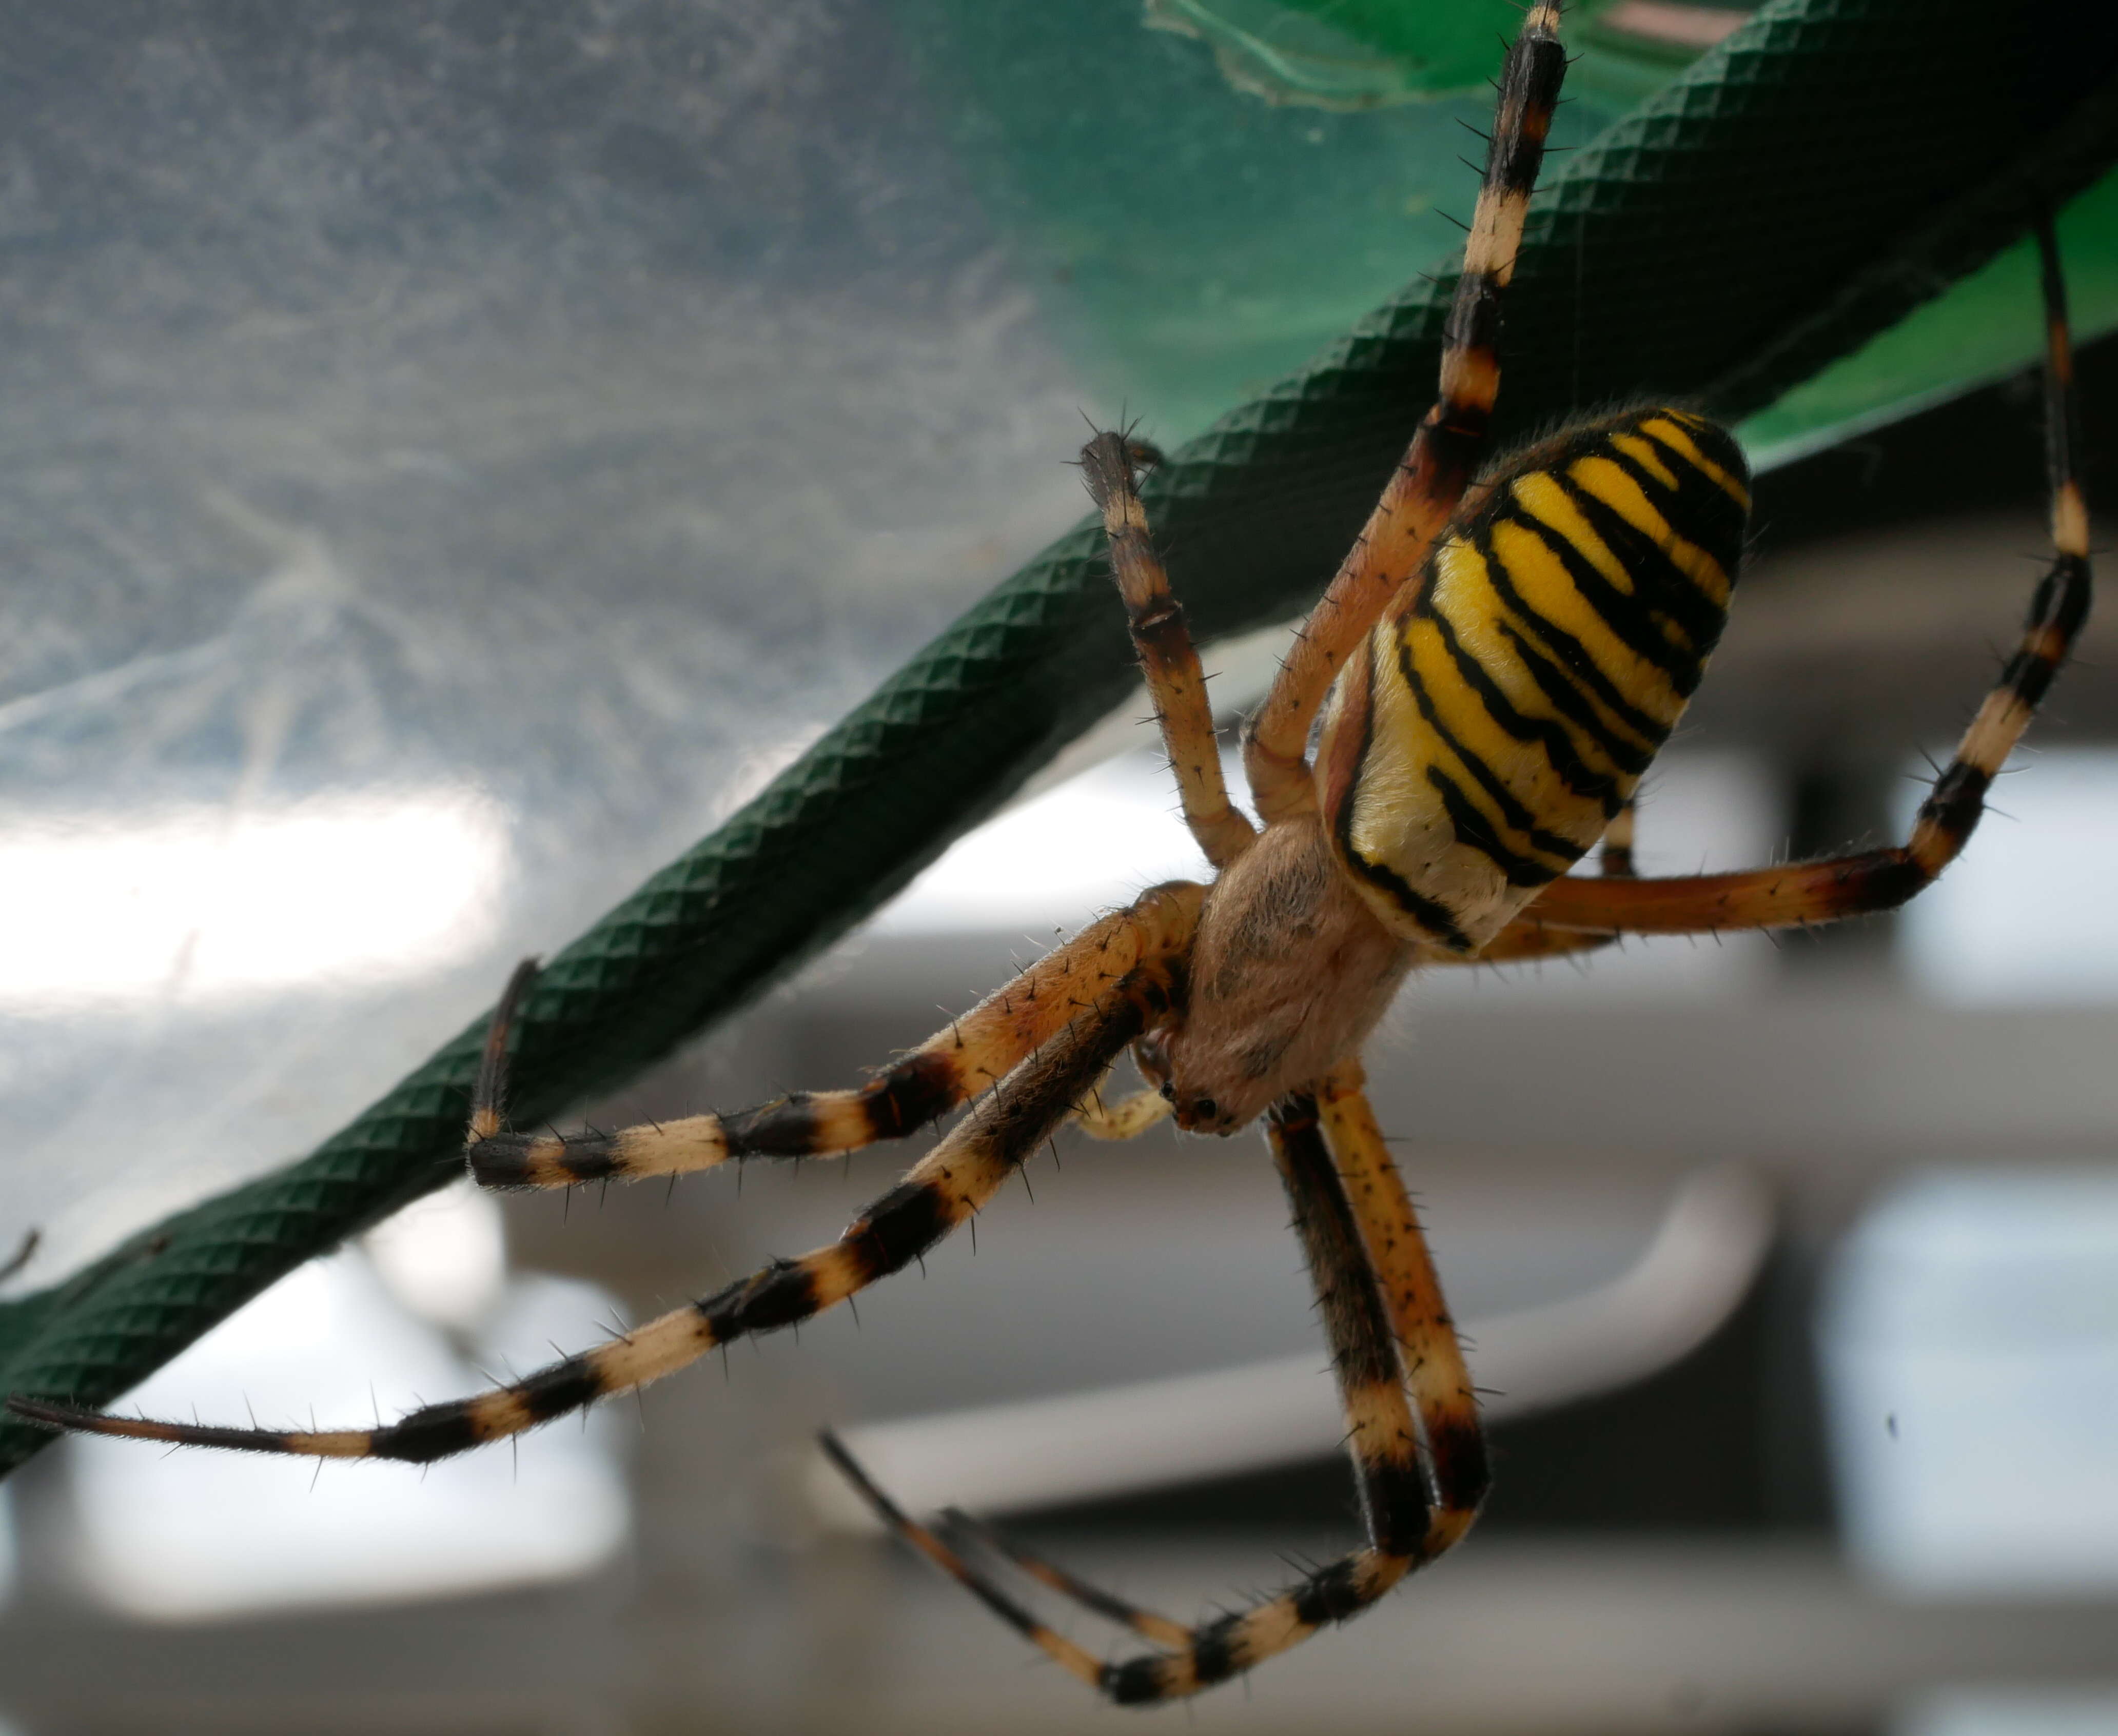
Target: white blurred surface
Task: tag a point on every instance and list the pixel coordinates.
(444, 1256)
(192, 1534)
(2025, 916)
(1970, 1350)
(453, 457)
(209, 904)
(2013, 1712)
(1099, 838)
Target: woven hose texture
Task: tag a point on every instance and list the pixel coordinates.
(1827, 168)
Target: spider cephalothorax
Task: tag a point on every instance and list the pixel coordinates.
(1502, 663)
(1289, 971)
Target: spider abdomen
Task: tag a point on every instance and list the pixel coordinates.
(1496, 718)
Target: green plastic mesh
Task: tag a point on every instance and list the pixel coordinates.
(1828, 168)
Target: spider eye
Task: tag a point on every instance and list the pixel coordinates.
(1205, 1109)
(1169, 1091)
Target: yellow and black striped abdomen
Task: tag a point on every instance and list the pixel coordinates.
(1499, 715)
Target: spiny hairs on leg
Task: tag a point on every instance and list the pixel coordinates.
(1122, 1118)
(1102, 1115)
(1427, 486)
(489, 1097)
(1435, 1376)
(1175, 680)
(2057, 612)
(1146, 1623)
(1405, 1529)
(1840, 886)
(1198, 1657)
(952, 1065)
(942, 1190)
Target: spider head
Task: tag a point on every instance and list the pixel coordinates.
(1289, 971)
(1199, 1114)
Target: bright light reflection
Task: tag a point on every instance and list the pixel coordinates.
(198, 1533)
(207, 904)
(1098, 840)
(2025, 916)
(2014, 1711)
(444, 1257)
(1970, 1342)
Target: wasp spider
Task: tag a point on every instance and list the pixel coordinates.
(1497, 662)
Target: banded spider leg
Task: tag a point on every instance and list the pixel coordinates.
(1412, 1426)
(1803, 893)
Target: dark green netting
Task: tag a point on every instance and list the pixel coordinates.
(1832, 166)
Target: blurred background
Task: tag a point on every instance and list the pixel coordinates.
(458, 452)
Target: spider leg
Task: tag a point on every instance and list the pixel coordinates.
(1881, 879)
(1146, 1623)
(943, 1190)
(973, 1052)
(1077, 1661)
(1426, 487)
(1442, 1394)
(1524, 941)
(1101, 1117)
(1127, 1118)
(1168, 658)
(1404, 1529)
